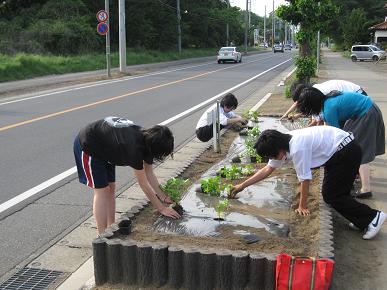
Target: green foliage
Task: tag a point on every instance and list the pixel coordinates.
(306, 68)
(287, 92)
(355, 28)
(248, 169)
(374, 13)
(22, 66)
(253, 133)
(212, 186)
(250, 152)
(231, 173)
(251, 115)
(174, 188)
(222, 207)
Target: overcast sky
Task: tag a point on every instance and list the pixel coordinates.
(258, 6)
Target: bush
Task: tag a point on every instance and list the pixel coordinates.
(306, 68)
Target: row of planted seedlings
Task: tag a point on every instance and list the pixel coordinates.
(217, 244)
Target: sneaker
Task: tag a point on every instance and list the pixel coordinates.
(353, 227)
(359, 194)
(375, 226)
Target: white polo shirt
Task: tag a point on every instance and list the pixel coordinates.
(337, 85)
(310, 148)
(223, 117)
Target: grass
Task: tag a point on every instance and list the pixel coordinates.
(25, 66)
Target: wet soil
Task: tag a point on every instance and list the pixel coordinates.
(302, 238)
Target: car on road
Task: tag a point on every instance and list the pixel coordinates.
(229, 53)
(287, 47)
(278, 47)
(366, 52)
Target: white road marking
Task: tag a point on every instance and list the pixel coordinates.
(35, 190)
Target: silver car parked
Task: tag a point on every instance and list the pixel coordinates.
(229, 53)
(366, 52)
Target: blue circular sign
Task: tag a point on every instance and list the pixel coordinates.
(102, 28)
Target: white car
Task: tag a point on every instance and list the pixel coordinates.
(229, 53)
(367, 52)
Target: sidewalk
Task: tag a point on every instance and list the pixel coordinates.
(361, 265)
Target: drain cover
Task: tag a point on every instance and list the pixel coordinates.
(31, 279)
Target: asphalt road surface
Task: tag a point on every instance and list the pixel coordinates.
(36, 136)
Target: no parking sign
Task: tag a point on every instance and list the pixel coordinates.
(102, 28)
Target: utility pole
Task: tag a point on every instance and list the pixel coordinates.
(272, 29)
(249, 27)
(264, 27)
(318, 47)
(246, 23)
(178, 26)
(227, 28)
(286, 34)
(107, 41)
(122, 35)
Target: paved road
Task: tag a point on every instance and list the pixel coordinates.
(36, 139)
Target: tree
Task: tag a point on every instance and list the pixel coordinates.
(310, 16)
(354, 28)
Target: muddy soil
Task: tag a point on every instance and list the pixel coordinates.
(302, 239)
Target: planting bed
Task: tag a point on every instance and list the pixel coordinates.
(200, 252)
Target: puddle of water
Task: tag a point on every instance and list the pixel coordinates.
(270, 195)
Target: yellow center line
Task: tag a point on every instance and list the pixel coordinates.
(101, 102)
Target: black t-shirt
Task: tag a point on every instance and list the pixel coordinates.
(115, 140)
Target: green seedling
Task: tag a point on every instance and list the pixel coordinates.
(221, 208)
(231, 173)
(212, 186)
(251, 115)
(251, 153)
(174, 188)
(254, 132)
(248, 169)
(228, 189)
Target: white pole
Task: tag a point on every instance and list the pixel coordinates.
(264, 27)
(318, 48)
(107, 41)
(122, 35)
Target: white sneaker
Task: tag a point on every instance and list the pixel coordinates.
(375, 226)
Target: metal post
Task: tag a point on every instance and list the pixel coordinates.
(107, 41)
(227, 27)
(122, 35)
(272, 29)
(318, 48)
(178, 26)
(227, 34)
(216, 128)
(264, 27)
(246, 23)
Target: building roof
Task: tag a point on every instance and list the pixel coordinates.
(380, 26)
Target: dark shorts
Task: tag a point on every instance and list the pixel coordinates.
(93, 172)
(205, 133)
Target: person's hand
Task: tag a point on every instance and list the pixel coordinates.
(282, 117)
(168, 212)
(237, 188)
(244, 121)
(302, 211)
(165, 198)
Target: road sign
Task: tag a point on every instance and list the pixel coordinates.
(102, 28)
(102, 16)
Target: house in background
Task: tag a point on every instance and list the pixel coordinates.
(380, 31)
